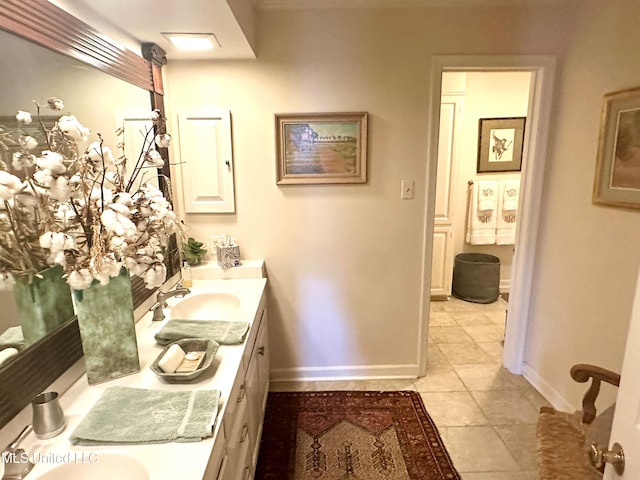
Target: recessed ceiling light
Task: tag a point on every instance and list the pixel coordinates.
(193, 42)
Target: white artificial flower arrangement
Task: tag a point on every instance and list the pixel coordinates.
(84, 209)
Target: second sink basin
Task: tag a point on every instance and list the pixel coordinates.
(99, 466)
(207, 306)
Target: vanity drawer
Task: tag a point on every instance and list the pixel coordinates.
(251, 338)
(238, 445)
(218, 455)
(237, 398)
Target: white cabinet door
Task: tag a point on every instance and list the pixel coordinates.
(206, 162)
(446, 155)
(442, 259)
(264, 366)
(238, 443)
(137, 136)
(442, 262)
(257, 383)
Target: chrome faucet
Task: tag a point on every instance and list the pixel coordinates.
(16, 461)
(162, 297)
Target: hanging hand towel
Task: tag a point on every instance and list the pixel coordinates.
(481, 220)
(507, 212)
(511, 196)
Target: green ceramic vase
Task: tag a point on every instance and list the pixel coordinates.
(43, 304)
(107, 329)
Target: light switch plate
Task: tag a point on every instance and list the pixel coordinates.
(407, 190)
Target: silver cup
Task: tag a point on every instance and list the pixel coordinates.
(48, 419)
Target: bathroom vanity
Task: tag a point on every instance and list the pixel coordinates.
(240, 372)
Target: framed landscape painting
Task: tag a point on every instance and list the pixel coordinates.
(500, 142)
(617, 178)
(321, 148)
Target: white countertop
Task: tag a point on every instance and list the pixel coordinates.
(185, 461)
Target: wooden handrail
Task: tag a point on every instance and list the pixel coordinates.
(582, 373)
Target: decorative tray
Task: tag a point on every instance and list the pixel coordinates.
(188, 345)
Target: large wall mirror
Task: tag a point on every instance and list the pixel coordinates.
(101, 86)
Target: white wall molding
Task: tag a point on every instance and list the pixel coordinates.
(344, 372)
(551, 394)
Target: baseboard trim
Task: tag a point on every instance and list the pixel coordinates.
(344, 372)
(547, 391)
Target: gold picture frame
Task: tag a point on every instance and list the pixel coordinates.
(321, 148)
(617, 177)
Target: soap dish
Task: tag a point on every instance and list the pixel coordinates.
(188, 345)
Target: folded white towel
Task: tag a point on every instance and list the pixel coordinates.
(507, 212)
(482, 214)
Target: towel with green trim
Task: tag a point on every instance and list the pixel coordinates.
(125, 415)
(222, 331)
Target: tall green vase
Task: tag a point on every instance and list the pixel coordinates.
(107, 329)
(43, 304)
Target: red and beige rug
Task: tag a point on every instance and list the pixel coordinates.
(351, 435)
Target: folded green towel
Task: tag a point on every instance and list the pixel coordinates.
(125, 415)
(222, 331)
(12, 337)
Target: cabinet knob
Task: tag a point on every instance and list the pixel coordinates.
(243, 392)
(245, 433)
(261, 350)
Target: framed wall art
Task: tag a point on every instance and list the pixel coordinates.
(321, 148)
(617, 177)
(500, 142)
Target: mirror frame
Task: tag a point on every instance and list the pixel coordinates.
(51, 27)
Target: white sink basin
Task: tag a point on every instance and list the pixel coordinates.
(98, 466)
(207, 306)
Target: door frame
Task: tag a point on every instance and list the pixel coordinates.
(542, 69)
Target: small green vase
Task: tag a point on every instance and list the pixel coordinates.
(43, 304)
(107, 329)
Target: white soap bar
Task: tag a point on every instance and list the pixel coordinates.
(7, 354)
(171, 360)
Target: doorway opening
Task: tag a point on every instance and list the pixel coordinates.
(540, 71)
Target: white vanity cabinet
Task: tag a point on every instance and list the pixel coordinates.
(244, 414)
(240, 374)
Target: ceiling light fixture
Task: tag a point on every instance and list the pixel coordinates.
(193, 42)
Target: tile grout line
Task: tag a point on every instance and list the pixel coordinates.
(473, 398)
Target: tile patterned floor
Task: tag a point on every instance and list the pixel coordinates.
(485, 414)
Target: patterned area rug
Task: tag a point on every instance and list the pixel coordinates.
(351, 435)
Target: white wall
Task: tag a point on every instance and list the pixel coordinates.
(486, 95)
(344, 262)
(588, 255)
